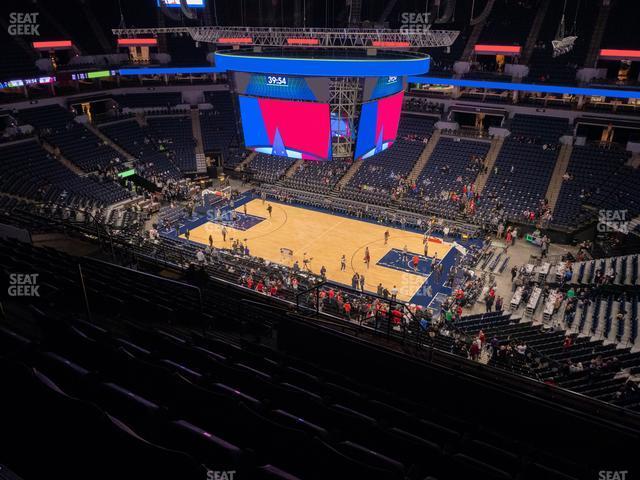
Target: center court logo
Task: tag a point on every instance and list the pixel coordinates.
(415, 22)
(23, 285)
(21, 23)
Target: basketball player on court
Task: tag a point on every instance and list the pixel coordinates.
(224, 234)
(386, 236)
(269, 209)
(343, 263)
(367, 256)
(323, 273)
(416, 262)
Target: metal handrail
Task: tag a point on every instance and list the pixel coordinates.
(353, 291)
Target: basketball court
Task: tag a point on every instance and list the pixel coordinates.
(325, 237)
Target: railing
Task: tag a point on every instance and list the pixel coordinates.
(149, 275)
(573, 404)
(408, 333)
(100, 230)
(391, 303)
(369, 211)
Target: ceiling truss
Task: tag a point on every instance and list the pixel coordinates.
(325, 37)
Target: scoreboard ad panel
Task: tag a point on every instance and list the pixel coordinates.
(378, 125)
(379, 87)
(286, 128)
(311, 89)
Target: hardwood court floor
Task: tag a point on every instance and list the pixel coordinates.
(325, 238)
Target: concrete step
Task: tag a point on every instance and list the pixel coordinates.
(62, 159)
(201, 163)
(197, 132)
(492, 155)
(387, 10)
(96, 131)
(634, 161)
(424, 156)
(562, 162)
(245, 163)
(291, 171)
(478, 27)
(597, 33)
(353, 169)
(534, 32)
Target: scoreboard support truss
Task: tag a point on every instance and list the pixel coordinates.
(344, 96)
(403, 39)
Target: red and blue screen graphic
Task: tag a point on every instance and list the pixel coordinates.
(378, 125)
(286, 128)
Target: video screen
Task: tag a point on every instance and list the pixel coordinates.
(286, 87)
(341, 127)
(286, 128)
(378, 125)
(381, 87)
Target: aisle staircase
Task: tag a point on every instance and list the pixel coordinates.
(492, 155)
(476, 32)
(633, 224)
(356, 12)
(243, 164)
(96, 131)
(353, 169)
(61, 158)
(201, 161)
(634, 161)
(424, 156)
(291, 171)
(534, 32)
(387, 11)
(597, 33)
(553, 191)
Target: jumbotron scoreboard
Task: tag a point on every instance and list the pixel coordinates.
(318, 107)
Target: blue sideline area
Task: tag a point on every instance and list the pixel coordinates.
(392, 259)
(189, 224)
(437, 301)
(437, 283)
(243, 222)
